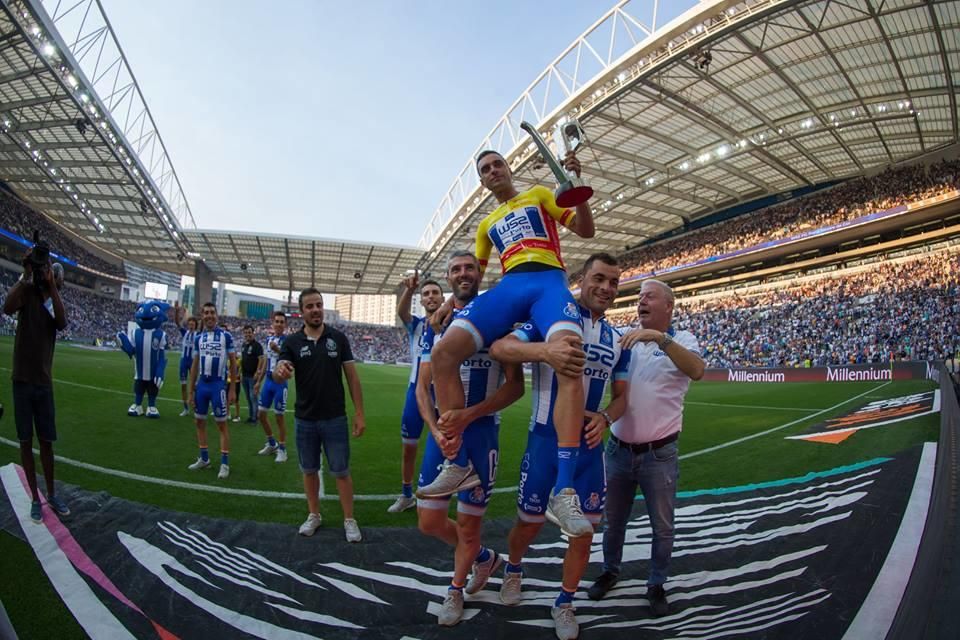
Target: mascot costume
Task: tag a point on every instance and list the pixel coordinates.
(148, 349)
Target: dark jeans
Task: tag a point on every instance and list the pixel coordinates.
(248, 384)
(656, 473)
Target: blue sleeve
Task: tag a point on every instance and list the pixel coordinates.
(415, 322)
(621, 370)
(527, 332)
(196, 346)
(183, 331)
(230, 347)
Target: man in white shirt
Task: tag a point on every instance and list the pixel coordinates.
(642, 448)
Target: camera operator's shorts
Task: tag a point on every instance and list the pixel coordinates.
(213, 393)
(33, 406)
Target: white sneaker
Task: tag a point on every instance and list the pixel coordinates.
(310, 525)
(199, 464)
(452, 478)
(152, 412)
(481, 572)
(224, 472)
(564, 510)
(281, 455)
(185, 413)
(510, 588)
(237, 419)
(135, 410)
(351, 530)
(402, 504)
(565, 622)
(267, 449)
(452, 609)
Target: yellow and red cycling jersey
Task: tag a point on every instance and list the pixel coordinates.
(524, 229)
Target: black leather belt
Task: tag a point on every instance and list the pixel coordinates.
(646, 446)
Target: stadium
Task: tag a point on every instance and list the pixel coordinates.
(790, 168)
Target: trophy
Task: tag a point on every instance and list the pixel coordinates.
(571, 190)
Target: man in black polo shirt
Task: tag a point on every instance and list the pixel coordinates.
(318, 354)
(251, 354)
(35, 297)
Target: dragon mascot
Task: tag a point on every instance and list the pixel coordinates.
(148, 349)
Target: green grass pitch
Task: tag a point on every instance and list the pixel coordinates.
(94, 388)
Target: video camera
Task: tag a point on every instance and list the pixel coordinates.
(39, 259)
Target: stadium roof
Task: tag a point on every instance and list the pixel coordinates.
(295, 263)
(796, 94)
(78, 139)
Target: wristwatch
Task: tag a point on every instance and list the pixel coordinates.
(666, 342)
(606, 416)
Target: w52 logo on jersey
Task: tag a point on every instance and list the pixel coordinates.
(600, 354)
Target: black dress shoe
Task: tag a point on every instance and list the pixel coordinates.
(658, 600)
(604, 583)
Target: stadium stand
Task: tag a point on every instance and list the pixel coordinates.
(853, 199)
(891, 309)
(19, 219)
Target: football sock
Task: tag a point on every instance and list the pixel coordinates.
(271, 441)
(565, 597)
(454, 587)
(281, 445)
(225, 457)
(204, 454)
(484, 555)
(566, 465)
(407, 490)
(513, 568)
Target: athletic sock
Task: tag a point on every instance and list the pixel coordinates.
(204, 454)
(513, 568)
(271, 441)
(484, 555)
(454, 587)
(407, 490)
(225, 458)
(566, 465)
(281, 445)
(185, 407)
(565, 597)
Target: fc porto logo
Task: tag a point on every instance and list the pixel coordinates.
(331, 348)
(571, 311)
(606, 336)
(593, 502)
(477, 495)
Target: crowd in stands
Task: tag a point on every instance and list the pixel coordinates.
(20, 219)
(892, 188)
(890, 311)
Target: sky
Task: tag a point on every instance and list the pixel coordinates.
(336, 120)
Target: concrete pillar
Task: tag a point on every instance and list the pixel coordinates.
(203, 286)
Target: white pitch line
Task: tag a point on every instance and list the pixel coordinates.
(782, 426)
(748, 406)
(360, 497)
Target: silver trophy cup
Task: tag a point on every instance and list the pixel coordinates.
(571, 190)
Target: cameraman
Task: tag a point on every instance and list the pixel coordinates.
(36, 297)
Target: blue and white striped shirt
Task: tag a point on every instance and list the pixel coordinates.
(188, 337)
(273, 357)
(213, 349)
(605, 361)
(481, 375)
(416, 331)
(149, 345)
